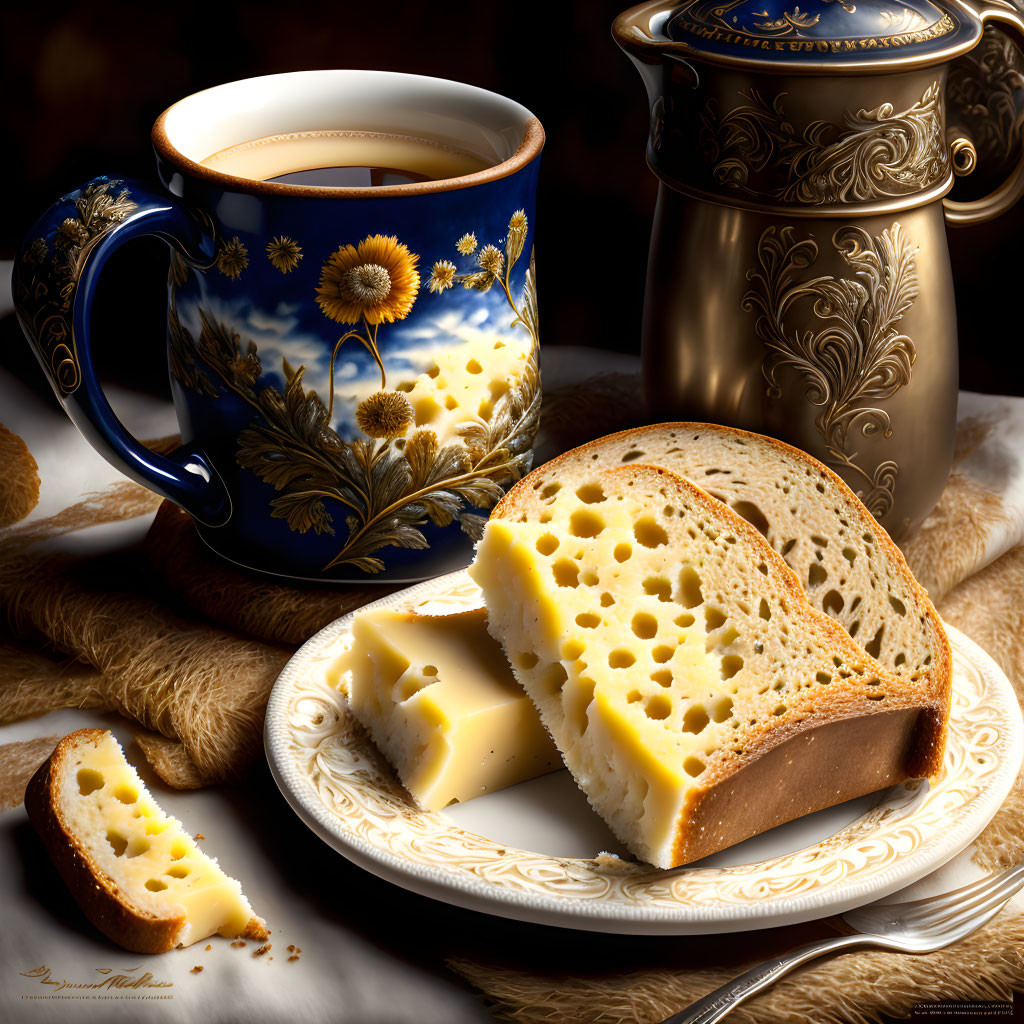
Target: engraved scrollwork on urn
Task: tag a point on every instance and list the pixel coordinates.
(985, 91)
(755, 149)
(47, 275)
(847, 350)
(658, 124)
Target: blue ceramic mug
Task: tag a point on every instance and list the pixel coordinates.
(354, 369)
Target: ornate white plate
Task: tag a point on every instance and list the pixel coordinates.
(536, 852)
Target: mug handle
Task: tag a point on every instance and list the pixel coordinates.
(55, 276)
(963, 152)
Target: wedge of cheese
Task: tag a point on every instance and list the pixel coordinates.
(694, 693)
(464, 382)
(134, 870)
(439, 700)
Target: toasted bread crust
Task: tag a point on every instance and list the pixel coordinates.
(931, 739)
(814, 769)
(845, 747)
(93, 890)
(916, 760)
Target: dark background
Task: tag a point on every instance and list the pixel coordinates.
(84, 83)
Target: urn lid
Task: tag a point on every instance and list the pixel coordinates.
(840, 31)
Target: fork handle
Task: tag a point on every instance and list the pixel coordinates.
(717, 1004)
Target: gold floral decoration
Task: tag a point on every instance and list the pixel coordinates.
(384, 486)
(388, 491)
(375, 282)
(442, 276)
(37, 251)
(384, 414)
(494, 265)
(480, 281)
(178, 271)
(420, 452)
(71, 232)
(517, 226)
(106, 208)
(466, 244)
(232, 258)
(492, 259)
(46, 281)
(247, 368)
(284, 253)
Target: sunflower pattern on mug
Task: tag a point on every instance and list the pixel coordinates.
(430, 403)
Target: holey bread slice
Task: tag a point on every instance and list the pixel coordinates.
(846, 563)
(135, 872)
(694, 693)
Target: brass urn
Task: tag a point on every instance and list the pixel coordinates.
(799, 280)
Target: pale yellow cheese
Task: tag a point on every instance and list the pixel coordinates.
(621, 669)
(149, 856)
(439, 700)
(464, 382)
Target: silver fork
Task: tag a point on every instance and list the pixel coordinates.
(921, 926)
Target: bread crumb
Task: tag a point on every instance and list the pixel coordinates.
(262, 950)
(199, 835)
(239, 943)
(292, 957)
(208, 946)
(613, 862)
(197, 969)
(291, 947)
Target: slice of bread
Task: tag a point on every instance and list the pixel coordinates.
(845, 561)
(134, 870)
(694, 693)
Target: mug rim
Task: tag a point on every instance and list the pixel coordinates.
(529, 148)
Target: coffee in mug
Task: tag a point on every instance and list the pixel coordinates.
(344, 159)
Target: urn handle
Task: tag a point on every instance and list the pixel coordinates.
(55, 276)
(1004, 17)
